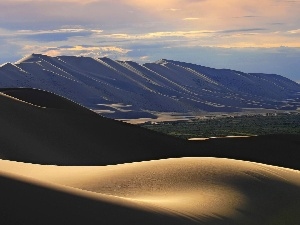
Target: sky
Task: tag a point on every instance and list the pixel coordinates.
(246, 35)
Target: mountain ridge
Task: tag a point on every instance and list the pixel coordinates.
(163, 86)
(65, 133)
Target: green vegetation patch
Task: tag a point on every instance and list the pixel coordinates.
(230, 126)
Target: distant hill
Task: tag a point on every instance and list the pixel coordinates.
(125, 89)
(72, 135)
(61, 132)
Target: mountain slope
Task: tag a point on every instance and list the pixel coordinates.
(124, 89)
(69, 134)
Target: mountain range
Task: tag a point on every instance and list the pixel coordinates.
(61, 163)
(126, 89)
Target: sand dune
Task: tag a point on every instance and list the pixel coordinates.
(154, 186)
(70, 137)
(65, 133)
(43, 99)
(176, 191)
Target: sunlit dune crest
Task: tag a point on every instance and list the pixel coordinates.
(161, 112)
(204, 139)
(114, 173)
(196, 189)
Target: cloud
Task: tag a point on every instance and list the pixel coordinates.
(297, 31)
(173, 9)
(191, 18)
(46, 36)
(161, 35)
(243, 30)
(144, 30)
(10, 51)
(58, 1)
(245, 16)
(86, 50)
(56, 35)
(52, 14)
(279, 60)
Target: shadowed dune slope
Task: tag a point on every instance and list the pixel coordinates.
(67, 134)
(25, 202)
(274, 149)
(172, 191)
(69, 137)
(43, 99)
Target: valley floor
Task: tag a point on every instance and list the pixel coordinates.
(221, 125)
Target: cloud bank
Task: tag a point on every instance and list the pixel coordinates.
(232, 34)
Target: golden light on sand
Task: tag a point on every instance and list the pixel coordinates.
(128, 173)
(192, 188)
